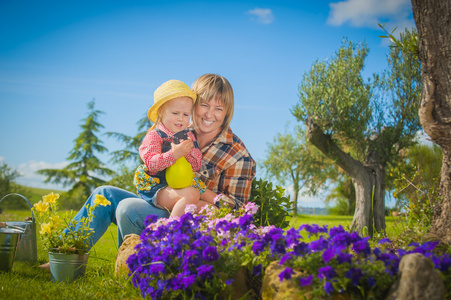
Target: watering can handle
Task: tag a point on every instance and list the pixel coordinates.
(4, 225)
(29, 204)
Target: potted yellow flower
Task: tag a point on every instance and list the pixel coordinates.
(66, 242)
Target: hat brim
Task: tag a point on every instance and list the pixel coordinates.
(152, 113)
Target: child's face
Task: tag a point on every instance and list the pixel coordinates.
(176, 113)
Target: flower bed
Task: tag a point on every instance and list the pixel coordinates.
(198, 255)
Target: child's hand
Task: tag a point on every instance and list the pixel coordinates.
(182, 149)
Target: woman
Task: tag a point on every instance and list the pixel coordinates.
(227, 167)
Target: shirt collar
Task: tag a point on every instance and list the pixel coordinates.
(225, 137)
(164, 129)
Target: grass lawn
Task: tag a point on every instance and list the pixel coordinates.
(28, 281)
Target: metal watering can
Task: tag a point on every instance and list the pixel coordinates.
(27, 248)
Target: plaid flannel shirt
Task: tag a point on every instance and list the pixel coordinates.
(228, 168)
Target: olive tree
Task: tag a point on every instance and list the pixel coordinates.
(362, 125)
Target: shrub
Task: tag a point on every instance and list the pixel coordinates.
(274, 206)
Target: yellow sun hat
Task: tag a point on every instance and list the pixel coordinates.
(169, 90)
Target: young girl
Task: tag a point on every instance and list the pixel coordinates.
(161, 148)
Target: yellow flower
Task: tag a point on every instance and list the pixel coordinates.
(46, 228)
(41, 207)
(101, 200)
(50, 198)
(56, 220)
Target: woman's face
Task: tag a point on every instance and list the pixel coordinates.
(209, 117)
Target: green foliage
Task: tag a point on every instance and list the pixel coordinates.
(410, 44)
(274, 206)
(124, 179)
(295, 161)
(130, 152)
(336, 96)
(8, 186)
(343, 196)
(58, 233)
(80, 173)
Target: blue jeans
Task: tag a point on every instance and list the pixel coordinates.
(127, 211)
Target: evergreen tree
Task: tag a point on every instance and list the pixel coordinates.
(85, 172)
(129, 154)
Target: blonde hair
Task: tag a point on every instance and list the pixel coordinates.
(160, 112)
(212, 86)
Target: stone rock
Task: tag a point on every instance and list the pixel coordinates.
(274, 289)
(125, 250)
(417, 280)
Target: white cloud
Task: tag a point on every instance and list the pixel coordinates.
(30, 178)
(368, 13)
(263, 15)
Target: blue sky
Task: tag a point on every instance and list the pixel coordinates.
(56, 56)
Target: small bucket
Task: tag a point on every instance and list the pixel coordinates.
(67, 267)
(9, 239)
(28, 248)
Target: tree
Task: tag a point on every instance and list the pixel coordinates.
(132, 143)
(344, 197)
(8, 186)
(294, 161)
(81, 172)
(124, 178)
(362, 126)
(433, 19)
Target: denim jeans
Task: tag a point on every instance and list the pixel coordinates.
(127, 211)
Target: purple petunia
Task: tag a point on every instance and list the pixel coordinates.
(286, 274)
(205, 271)
(210, 253)
(326, 272)
(355, 275)
(304, 281)
(257, 270)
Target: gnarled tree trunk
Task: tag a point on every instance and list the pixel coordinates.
(368, 179)
(433, 21)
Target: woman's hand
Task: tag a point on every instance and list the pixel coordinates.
(182, 149)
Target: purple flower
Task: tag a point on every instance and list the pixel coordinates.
(306, 280)
(384, 240)
(229, 281)
(292, 236)
(286, 274)
(257, 270)
(245, 221)
(426, 247)
(336, 230)
(443, 263)
(362, 246)
(328, 287)
(285, 258)
(344, 258)
(300, 249)
(319, 244)
(205, 271)
(326, 272)
(355, 275)
(313, 228)
(210, 254)
(328, 254)
(258, 247)
(371, 281)
(150, 219)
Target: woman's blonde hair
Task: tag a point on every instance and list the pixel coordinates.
(212, 86)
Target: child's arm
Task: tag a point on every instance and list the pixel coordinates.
(150, 153)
